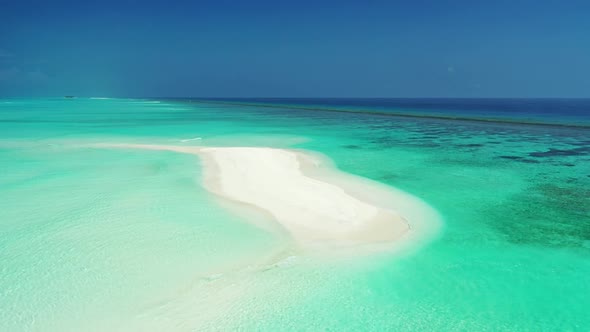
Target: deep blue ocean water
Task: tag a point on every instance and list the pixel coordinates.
(575, 112)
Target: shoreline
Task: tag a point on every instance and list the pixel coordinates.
(318, 206)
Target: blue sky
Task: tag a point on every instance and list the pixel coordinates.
(296, 48)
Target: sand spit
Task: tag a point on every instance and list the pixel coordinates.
(332, 210)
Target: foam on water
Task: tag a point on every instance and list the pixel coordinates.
(191, 139)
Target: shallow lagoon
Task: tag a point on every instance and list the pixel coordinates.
(129, 240)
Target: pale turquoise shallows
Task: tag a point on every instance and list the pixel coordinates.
(128, 240)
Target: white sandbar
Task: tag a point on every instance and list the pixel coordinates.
(331, 210)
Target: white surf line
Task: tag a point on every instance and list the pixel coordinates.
(336, 212)
(191, 139)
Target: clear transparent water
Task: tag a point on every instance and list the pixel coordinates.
(94, 240)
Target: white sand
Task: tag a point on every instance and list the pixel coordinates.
(313, 209)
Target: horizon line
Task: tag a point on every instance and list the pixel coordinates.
(283, 97)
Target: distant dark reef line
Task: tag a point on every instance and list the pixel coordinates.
(396, 114)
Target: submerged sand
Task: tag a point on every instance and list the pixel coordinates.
(315, 209)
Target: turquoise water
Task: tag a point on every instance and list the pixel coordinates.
(95, 240)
